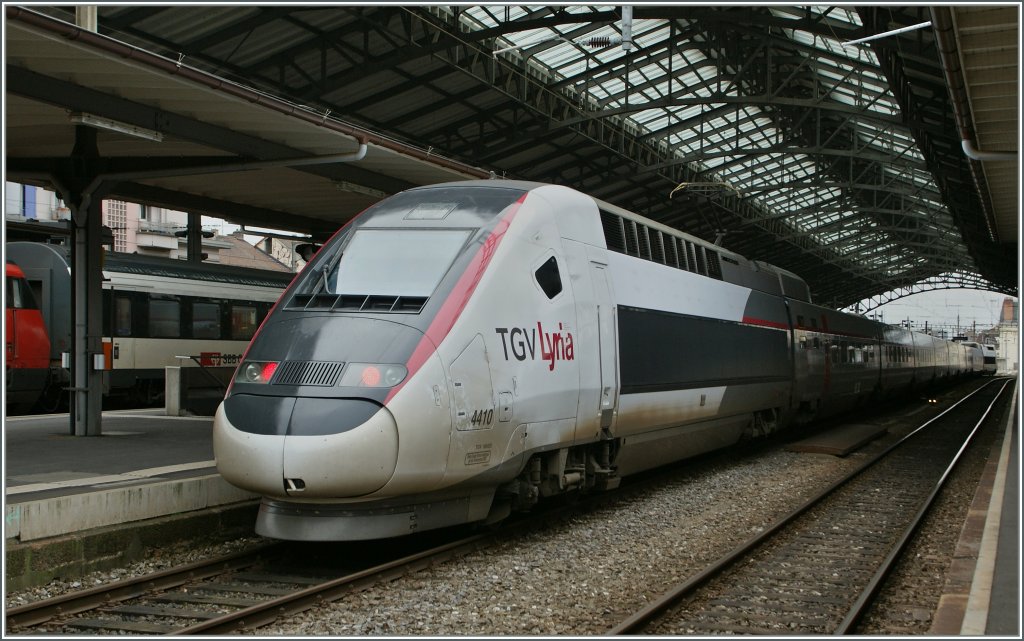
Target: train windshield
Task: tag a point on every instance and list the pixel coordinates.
(399, 251)
(395, 262)
(19, 294)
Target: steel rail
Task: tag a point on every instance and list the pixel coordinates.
(672, 596)
(270, 610)
(40, 612)
(870, 591)
(266, 612)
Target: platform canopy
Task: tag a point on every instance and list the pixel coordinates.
(766, 129)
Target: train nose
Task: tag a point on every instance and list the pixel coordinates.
(305, 447)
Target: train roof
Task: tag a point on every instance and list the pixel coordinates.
(795, 286)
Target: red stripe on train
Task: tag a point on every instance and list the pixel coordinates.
(761, 322)
(457, 300)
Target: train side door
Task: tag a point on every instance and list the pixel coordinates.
(10, 323)
(607, 338)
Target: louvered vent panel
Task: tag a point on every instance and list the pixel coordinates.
(614, 235)
(322, 373)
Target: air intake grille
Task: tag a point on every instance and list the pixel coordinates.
(323, 373)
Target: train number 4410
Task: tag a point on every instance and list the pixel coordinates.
(482, 417)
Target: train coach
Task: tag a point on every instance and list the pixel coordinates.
(154, 310)
(463, 350)
(985, 355)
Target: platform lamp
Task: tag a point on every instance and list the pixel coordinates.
(107, 124)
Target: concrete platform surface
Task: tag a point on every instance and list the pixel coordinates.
(144, 465)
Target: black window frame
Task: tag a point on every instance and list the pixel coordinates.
(549, 277)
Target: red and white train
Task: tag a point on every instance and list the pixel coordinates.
(154, 310)
(462, 350)
(27, 354)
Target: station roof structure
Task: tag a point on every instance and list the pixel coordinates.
(761, 128)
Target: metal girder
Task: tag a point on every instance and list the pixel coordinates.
(955, 279)
(759, 63)
(942, 157)
(787, 150)
(742, 100)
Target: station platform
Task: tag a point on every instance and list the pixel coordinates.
(152, 472)
(77, 504)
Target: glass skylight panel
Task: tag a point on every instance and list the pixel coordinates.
(654, 119)
(688, 72)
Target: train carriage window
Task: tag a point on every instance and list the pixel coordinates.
(205, 320)
(19, 294)
(243, 322)
(549, 279)
(164, 318)
(817, 343)
(122, 316)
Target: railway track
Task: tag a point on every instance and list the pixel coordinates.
(254, 588)
(818, 569)
(240, 591)
(250, 589)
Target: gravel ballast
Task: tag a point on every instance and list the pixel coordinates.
(582, 575)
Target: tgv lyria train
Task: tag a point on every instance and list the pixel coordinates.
(461, 350)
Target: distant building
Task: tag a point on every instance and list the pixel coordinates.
(285, 251)
(242, 253)
(1008, 338)
(138, 229)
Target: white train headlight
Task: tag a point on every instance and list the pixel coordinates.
(372, 375)
(256, 372)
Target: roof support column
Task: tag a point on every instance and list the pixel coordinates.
(87, 364)
(194, 238)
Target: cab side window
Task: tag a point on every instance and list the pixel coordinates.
(549, 279)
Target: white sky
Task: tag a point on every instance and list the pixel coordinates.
(942, 307)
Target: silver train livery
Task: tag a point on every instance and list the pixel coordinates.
(463, 350)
